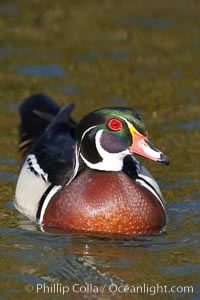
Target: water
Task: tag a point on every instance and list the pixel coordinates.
(136, 53)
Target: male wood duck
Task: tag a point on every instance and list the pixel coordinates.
(84, 177)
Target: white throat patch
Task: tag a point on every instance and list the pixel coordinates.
(110, 161)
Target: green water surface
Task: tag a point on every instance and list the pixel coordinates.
(142, 54)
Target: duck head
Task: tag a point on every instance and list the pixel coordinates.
(106, 136)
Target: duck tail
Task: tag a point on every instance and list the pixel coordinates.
(36, 112)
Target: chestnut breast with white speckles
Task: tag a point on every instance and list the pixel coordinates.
(106, 202)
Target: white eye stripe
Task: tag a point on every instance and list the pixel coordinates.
(119, 117)
(83, 135)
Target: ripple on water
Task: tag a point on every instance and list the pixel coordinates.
(146, 21)
(8, 160)
(93, 55)
(71, 90)
(8, 9)
(191, 125)
(52, 70)
(85, 57)
(8, 177)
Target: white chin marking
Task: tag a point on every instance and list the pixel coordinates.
(110, 161)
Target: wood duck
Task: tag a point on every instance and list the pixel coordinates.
(84, 176)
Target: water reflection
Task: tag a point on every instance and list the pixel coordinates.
(149, 21)
(90, 56)
(43, 70)
(94, 55)
(134, 53)
(8, 9)
(71, 90)
(191, 125)
(8, 177)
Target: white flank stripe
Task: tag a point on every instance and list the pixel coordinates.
(148, 187)
(30, 188)
(52, 192)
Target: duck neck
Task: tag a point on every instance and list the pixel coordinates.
(104, 161)
(110, 162)
(96, 157)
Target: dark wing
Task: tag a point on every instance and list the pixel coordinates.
(36, 112)
(54, 149)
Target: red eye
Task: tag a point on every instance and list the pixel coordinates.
(115, 124)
